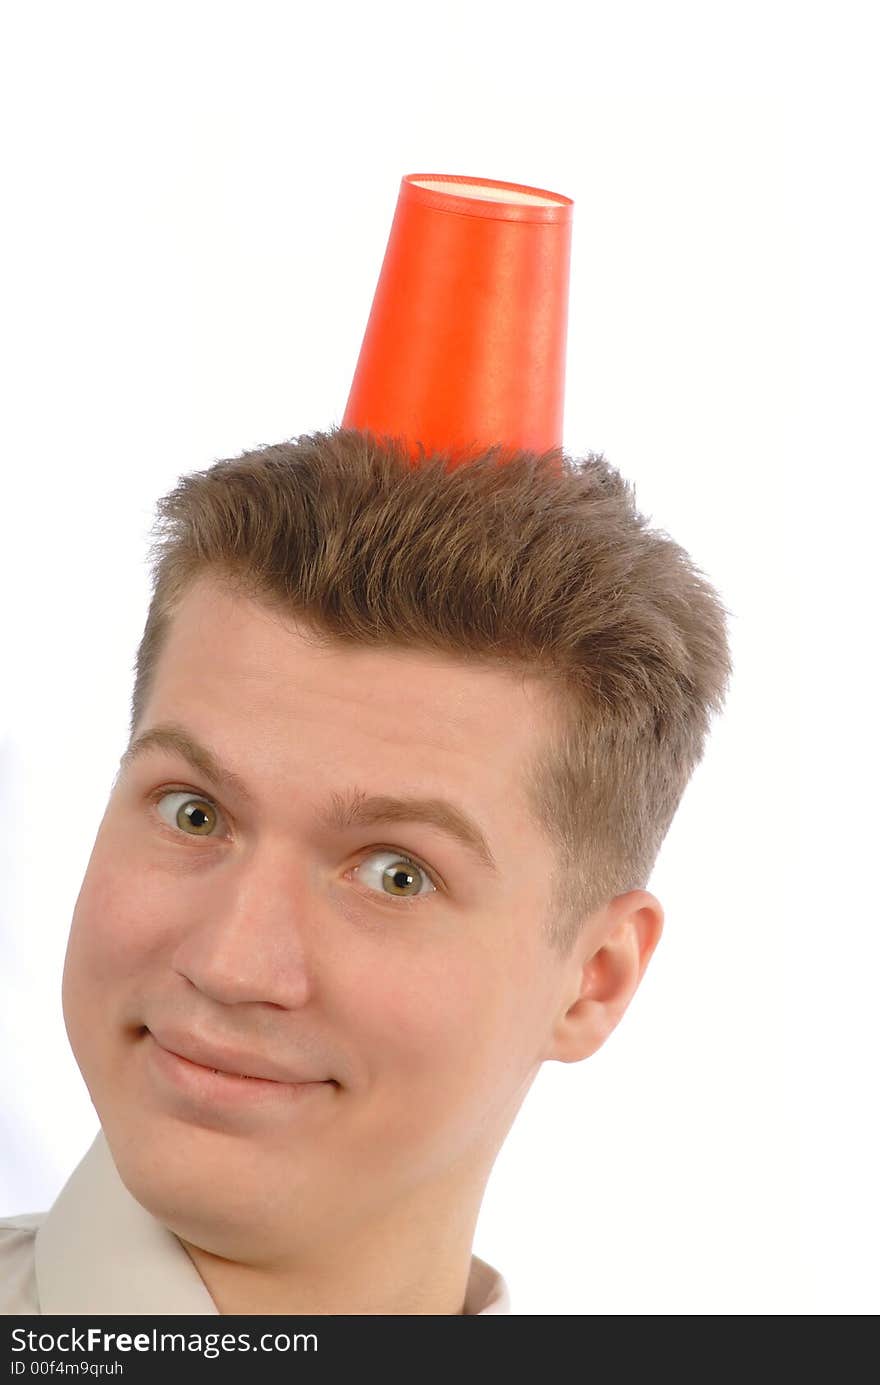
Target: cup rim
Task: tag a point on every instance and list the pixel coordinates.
(411, 188)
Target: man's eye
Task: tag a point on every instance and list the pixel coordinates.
(400, 878)
(194, 816)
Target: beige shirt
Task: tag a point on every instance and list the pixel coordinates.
(97, 1250)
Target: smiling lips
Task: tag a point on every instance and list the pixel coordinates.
(220, 1095)
(232, 1062)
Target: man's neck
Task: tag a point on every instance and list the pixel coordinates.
(377, 1284)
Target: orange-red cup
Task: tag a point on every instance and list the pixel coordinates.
(465, 342)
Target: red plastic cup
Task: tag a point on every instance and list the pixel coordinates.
(466, 339)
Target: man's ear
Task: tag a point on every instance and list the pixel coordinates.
(605, 970)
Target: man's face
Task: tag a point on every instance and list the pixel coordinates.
(428, 997)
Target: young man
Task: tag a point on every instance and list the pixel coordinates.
(405, 742)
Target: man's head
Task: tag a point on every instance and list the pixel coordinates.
(415, 959)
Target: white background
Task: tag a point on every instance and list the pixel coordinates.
(197, 201)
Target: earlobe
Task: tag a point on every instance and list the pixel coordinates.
(617, 949)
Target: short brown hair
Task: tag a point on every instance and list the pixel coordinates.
(533, 563)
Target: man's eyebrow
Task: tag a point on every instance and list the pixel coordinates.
(352, 809)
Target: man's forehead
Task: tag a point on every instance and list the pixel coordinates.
(431, 689)
(489, 717)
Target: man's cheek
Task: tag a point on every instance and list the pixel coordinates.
(111, 927)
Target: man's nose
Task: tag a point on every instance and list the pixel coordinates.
(255, 933)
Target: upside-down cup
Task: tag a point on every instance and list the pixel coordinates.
(466, 339)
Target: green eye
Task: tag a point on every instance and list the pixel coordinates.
(402, 877)
(195, 817)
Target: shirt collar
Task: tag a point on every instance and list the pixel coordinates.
(98, 1250)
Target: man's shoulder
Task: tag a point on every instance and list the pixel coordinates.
(20, 1221)
(18, 1283)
